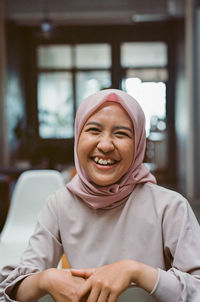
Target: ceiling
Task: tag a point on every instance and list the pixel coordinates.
(80, 12)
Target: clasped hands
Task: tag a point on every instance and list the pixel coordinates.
(102, 284)
(106, 283)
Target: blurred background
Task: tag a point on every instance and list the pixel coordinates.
(55, 53)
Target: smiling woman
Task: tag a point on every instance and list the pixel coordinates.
(118, 228)
(109, 123)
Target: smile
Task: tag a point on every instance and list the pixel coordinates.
(104, 162)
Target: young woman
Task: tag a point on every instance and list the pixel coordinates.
(116, 226)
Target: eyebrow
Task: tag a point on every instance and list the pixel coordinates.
(94, 123)
(119, 127)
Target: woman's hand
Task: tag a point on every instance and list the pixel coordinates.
(106, 283)
(61, 285)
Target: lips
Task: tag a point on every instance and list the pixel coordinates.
(104, 162)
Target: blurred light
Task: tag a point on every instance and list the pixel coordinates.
(161, 125)
(46, 25)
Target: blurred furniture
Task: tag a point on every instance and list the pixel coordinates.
(13, 172)
(29, 196)
(64, 262)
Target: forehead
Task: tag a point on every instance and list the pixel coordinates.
(112, 110)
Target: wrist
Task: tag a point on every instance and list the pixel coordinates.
(144, 276)
(134, 271)
(44, 280)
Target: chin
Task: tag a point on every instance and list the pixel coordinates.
(103, 183)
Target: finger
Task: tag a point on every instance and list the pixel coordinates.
(103, 297)
(94, 295)
(85, 273)
(113, 297)
(84, 289)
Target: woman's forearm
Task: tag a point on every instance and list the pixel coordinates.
(60, 284)
(29, 289)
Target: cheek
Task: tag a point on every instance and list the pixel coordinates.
(129, 153)
(80, 148)
(86, 141)
(84, 146)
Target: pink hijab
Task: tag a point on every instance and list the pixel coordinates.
(112, 195)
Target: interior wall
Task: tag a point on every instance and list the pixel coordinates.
(181, 115)
(187, 122)
(4, 150)
(197, 104)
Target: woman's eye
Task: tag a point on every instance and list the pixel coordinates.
(93, 130)
(122, 134)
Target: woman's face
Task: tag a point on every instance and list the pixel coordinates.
(106, 144)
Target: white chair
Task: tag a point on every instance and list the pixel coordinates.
(29, 196)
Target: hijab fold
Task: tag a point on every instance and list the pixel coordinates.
(106, 197)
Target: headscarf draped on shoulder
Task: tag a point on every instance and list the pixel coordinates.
(112, 195)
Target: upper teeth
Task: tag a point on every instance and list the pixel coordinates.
(103, 161)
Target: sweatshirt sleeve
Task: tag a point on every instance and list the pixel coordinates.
(181, 239)
(35, 258)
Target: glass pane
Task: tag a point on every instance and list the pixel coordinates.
(93, 55)
(91, 82)
(152, 98)
(143, 54)
(149, 75)
(54, 56)
(55, 105)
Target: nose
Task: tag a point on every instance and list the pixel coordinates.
(105, 144)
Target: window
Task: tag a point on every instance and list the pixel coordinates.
(66, 75)
(151, 97)
(134, 54)
(145, 76)
(59, 56)
(55, 105)
(89, 82)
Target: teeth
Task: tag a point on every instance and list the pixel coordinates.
(102, 161)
